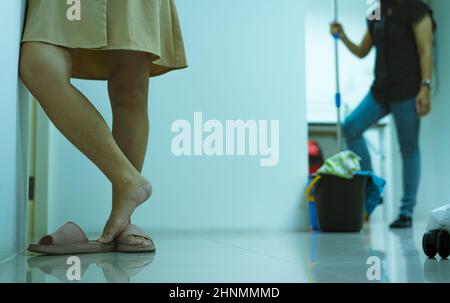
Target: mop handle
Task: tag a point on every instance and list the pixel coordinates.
(336, 52)
(338, 99)
(336, 55)
(335, 16)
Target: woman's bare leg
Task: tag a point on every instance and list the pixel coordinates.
(128, 92)
(45, 69)
(128, 86)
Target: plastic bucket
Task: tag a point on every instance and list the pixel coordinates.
(314, 224)
(340, 203)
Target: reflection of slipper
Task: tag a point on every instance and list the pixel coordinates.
(133, 261)
(123, 244)
(116, 267)
(69, 239)
(57, 266)
(125, 266)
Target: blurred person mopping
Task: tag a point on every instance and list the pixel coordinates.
(401, 31)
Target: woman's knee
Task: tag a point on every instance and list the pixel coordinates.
(29, 66)
(128, 79)
(128, 92)
(41, 66)
(350, 130)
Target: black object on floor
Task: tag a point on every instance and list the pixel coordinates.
(436, 241)
(340, 203)
(402, 222)
(429, 243)
(443, 244)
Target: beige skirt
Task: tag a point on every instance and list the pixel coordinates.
(93, 26)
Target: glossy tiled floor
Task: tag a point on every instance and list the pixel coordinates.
(249, 257)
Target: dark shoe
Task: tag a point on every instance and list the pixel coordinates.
(402, 222)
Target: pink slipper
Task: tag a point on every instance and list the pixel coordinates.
(123, 245)
(69, 239)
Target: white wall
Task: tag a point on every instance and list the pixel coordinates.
(356, 74)
(246, 62)
(14, 123)
(435, 187)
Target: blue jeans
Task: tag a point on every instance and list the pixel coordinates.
(407, 123)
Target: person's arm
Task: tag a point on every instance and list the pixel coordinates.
(423, 31)
(361, 50)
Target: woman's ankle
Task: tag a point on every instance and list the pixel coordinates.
(126, 179)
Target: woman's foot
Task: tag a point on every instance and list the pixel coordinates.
(402, 222)
(129, 196)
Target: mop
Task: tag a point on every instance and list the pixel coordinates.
(338, 101)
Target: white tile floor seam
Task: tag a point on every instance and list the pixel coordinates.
(260, 253)
(259, 257)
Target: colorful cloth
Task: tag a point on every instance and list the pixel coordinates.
(374, 191)
(343, 165)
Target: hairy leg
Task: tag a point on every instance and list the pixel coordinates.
(45, 69)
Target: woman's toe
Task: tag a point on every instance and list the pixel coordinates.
(105, 238)
(138, 241)
(114, 226)
(107, 235)
(134, 240)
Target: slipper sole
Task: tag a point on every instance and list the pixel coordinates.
(135, 249)
(72, 249)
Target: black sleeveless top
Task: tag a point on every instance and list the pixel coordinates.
(397, 70)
